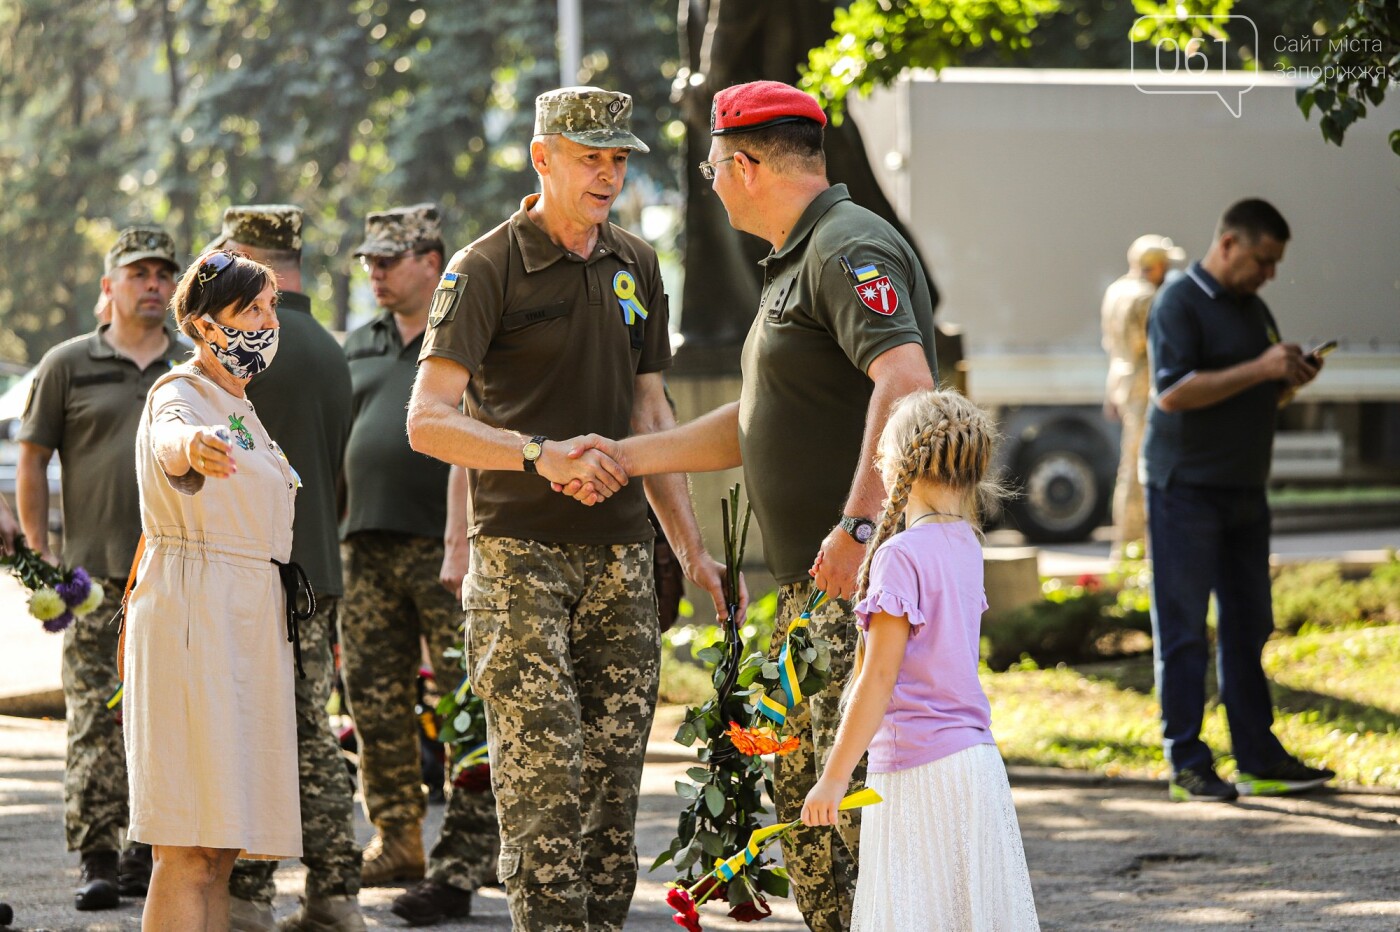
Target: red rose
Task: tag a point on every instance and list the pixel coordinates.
(711, 888)
(690, 921)
(1089, 582)
(474, 779)
(751, 911)
(679, 900)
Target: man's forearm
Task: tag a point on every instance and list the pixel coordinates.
(443, 432)
(1204, 388)
(707, 444)
(32, 497)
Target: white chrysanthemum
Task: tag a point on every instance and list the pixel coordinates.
(93, 600)
(46, 605)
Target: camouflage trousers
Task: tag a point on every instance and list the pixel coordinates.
(94, 776)
(820, 860)
(565, 652)
(1129, 508)
(329, 851)
(392, 599)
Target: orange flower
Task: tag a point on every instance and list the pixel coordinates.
(761, 739)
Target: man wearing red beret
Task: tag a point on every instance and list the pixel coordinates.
(843, 331)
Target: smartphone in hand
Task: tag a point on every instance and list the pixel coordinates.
(1316, 354)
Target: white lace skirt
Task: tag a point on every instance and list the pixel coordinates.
(943, 851)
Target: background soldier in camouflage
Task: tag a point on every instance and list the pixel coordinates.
(844, 330)
(552, 323)
(304, 402)
(1126, 305)
(405, 555)
(85, 404)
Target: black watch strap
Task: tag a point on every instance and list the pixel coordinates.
(860, 529)
(535, 445)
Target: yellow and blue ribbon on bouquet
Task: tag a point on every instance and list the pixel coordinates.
(625, 287)
(762, 838)
(787, 671)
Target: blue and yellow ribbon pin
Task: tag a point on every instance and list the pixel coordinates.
(625, 287)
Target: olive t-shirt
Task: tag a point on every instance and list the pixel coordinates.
(389, 486)
(554, 344)
(303, 399)
(844, 288)
(85, 402)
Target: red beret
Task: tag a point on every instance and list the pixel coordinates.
(761, 104)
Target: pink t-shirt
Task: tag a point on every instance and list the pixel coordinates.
(931, 575)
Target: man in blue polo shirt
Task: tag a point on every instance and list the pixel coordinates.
(1220, 373)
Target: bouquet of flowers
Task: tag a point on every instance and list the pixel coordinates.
(687, 900)
(463, 718)
(725, 792)
(56, 596)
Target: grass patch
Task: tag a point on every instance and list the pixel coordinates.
(1334, 691)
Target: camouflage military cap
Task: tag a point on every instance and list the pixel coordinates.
(589, 116)
(261, 226)
(136, 243)
(401, 229)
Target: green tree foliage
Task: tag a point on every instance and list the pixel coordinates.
(1362, 60)
(875, 40)
(122, 111)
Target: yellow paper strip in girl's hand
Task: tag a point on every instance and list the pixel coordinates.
(861, 798)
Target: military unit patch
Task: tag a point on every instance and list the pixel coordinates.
(874, 290)
(445, 297)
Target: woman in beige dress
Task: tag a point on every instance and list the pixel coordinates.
(208, 707)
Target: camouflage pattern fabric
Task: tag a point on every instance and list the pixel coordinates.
(136, 243)
(262, 226)
(399, 230)
(329, 850)
(392, 596)
(820, 860)
(94, 776)
(589, 116)
(564, 650)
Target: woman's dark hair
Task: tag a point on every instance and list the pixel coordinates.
(213, 282)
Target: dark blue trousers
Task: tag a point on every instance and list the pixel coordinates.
(1205, 540)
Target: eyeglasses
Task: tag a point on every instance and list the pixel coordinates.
(707, 169)
(385, 263)
(210, 268)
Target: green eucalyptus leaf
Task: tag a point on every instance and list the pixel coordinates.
(686, 790)
(714, 799)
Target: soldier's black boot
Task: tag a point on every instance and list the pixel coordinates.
(429, 902)
(134, 870)
(97, 887)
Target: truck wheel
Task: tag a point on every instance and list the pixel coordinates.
(1060, 496)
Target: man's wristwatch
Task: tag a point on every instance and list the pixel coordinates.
(531, 452)
(859, 528)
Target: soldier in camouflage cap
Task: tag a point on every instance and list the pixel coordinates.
(274, 227)
(136, 243)
(552, 323)
(399, 230)
(589, 116)
(402, 576)
(84, 404)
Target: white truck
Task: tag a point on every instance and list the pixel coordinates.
(1024, 189)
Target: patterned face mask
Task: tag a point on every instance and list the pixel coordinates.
(249, 351)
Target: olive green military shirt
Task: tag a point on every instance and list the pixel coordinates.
(554, 344)
(85, 403)
(389, 486)
(844, 288)
(303, 399)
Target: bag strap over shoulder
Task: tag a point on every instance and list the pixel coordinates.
(120, 617)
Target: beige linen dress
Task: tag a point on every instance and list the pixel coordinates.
(209, 712)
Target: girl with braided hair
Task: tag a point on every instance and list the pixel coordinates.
(943, 851)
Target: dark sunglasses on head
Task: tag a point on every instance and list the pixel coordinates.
(210, 268)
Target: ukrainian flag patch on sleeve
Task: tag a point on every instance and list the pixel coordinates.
(445, 298)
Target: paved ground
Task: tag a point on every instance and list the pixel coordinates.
(1103, 855)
